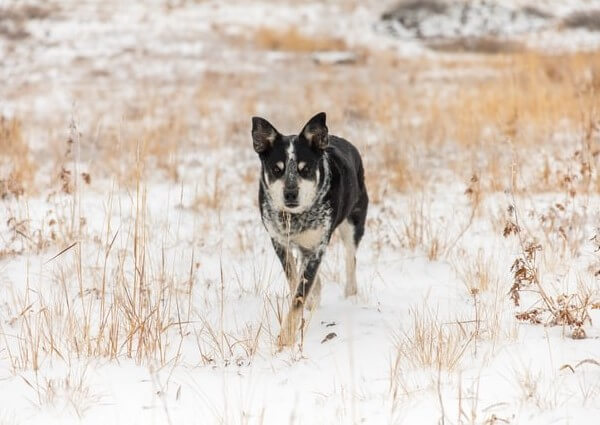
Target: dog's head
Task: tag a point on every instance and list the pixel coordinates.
(291, 164)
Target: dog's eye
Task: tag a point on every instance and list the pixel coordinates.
(277, 168)
(303, 169)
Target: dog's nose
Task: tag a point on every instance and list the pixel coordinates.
(290, 195)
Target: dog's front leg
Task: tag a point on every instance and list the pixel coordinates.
(288, 263)
(291, 323)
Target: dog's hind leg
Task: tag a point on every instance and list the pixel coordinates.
(347, 232)
(288, 262)
(352, 230)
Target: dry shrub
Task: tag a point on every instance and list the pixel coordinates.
(22, 237)
(17, 172)
(14, 17)
(554, 308)
(291, 39)
(589, 20)
(22, 12)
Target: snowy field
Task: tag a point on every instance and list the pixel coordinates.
(138, 285)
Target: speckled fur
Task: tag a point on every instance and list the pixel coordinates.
(285, 227)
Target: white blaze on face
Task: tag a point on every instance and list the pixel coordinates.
(291, 153)
(307, 190)
(276, 194)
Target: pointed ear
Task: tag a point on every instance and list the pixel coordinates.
(263, 134)
(315, 132)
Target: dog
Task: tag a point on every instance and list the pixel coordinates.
(310, 185)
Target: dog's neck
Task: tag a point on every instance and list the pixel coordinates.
(325, 181)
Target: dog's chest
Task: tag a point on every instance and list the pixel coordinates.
(309, 238)
(308, 230)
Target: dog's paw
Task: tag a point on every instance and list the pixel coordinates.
(287, 335)
(286, 338)
(284, 341)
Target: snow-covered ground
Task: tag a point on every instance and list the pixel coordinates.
(137, 284)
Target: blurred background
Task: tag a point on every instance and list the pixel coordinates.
(416, 82)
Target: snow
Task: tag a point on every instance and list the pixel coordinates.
(209, 268)
(345, 379)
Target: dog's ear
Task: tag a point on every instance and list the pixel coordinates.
(263, 134)
(315, 132)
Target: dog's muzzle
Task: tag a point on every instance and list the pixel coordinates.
(290, 197)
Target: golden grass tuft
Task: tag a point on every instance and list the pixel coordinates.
(530, 98)
(291, 39)
(141, 148)
(477, 272)
(431, 343)
(17, 171)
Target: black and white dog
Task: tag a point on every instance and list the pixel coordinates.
(310, 184)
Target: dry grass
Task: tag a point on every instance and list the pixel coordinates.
(17, 170)
(65, 393)
(293, 40)
(514, 103)
(431, 233)
(532, 96)
(551, 306)
(477, 272)
(420, 231)
(131, 302)
(431, 343)
(143, 146)
(485, 45)
(115, 313)
(503, 105)
(428, 345)
(396, 173)
(145, 315)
